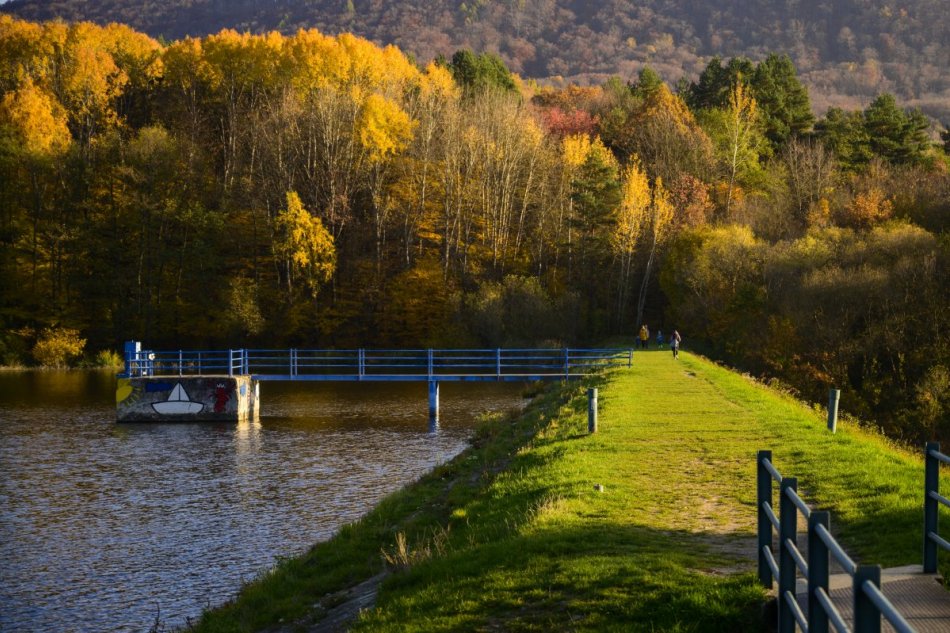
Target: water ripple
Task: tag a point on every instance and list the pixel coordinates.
(103, 525)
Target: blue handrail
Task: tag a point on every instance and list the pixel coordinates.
(363, 364)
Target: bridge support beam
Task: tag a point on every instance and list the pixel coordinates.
(187, 399)
(433, 402)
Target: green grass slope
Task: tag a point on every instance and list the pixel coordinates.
(513, 536)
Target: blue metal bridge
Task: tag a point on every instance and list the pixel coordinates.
(421, 365)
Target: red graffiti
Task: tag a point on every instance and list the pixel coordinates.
(221, 397)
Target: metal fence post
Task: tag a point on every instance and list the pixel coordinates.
(433, 401)
(180, 368)
(498, 362)
(833, 397)
(817, 571)
(567, 364)
(230, 362)
(788, 532)
(931, 509)
(592, 410)
(763, 496)
(867, 619)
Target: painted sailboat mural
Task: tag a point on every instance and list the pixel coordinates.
(178, 403)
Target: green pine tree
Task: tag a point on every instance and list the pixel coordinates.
(784, 106)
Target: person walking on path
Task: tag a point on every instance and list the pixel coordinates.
(644, 336)
(659, 339)
(675, 339)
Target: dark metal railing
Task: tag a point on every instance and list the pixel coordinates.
(380, 365)
(932, 502)
(870, 604)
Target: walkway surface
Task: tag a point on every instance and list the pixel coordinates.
(919, 597)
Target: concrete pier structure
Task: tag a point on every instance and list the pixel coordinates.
(187, 399)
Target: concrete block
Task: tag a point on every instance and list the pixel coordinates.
(187, 399)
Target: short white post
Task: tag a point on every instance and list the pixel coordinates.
(592, 410)
(833, 397)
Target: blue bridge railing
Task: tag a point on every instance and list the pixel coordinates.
(377, 365)
(870, 604)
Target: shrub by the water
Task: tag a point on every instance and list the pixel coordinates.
(56, 347)
(108, 358)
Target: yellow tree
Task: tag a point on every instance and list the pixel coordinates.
(188, 74)
(33, 133)
(505, 141)
(304, 247)
(740, 122)
(667, 138)
(384, 130)
(575, 148)
(241, 69)
(34, 121)
(631, 217)
(659, 221)
(432, 106)
(343, 83)
(140, 58)
(88, 82)
(25, 51)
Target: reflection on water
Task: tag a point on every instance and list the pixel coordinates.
(102, 525)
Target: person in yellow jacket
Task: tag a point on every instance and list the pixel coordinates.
(644, 336)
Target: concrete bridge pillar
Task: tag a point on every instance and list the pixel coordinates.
(187, 399)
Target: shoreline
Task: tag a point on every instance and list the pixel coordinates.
(344, 595)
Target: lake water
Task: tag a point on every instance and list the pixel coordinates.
(104, 527)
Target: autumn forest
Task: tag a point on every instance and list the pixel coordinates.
(315, 190)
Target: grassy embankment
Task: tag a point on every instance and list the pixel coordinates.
(513, 536)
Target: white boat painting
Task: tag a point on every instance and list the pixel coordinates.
(178, 403)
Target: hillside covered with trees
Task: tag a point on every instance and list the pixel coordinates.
(322, 191)
(846, 51)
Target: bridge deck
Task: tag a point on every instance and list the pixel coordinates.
(919, 597)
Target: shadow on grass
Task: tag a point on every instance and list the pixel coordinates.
(599, 576)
